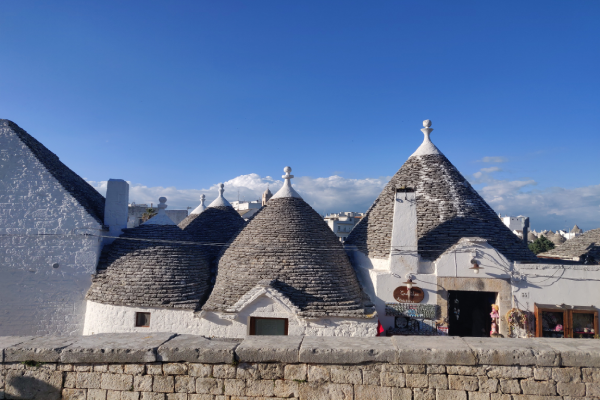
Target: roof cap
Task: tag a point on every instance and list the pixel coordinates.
(286, 190)
(161, 217)
(201, 207)
(427, 147)
(220, 201)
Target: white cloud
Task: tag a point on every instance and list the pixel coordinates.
(493, 159)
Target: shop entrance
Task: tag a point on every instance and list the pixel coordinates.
(469, 313)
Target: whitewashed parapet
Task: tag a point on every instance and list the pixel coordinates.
(167, 347)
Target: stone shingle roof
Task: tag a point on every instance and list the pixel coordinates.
(214, 227)
(576, 229)
(289, 245)
(448, 209)
(148, 273)
(83, 192)
(586, 246)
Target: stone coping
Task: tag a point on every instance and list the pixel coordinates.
(168, 347)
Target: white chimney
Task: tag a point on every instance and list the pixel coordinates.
(116, 207)
(404, 255)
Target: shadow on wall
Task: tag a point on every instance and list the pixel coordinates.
(33, 385)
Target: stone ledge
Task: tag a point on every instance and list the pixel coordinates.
(409, 350)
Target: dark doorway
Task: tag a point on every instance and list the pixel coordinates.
(469, 313)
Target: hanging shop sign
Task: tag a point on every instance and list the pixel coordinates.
(421, 311)
(413, 295)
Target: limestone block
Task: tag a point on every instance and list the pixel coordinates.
(424, 394)
(104, 368)
(451, 394)
(541, 388)
(510, 372)
(570, 389)
(492, 351)
(286, 388)
(271, 371)
(8, 341)
(22, 384)
(487, 385)
(209, 386)
(74, 394)
(510, 386)
(415, 369)
(69, 367)
(130, 396)
(116, 381)
(200, 370)
(402, 394)
(70, 380)
(174, 369)
(177, 396)
(372, 392)
(566, 374)
(112, 368)
(200, 397)
(347, 350)
(115, 348)
(463, 382)
(142, 383)
(198, 349)
(154, 396)
(417, 381)
(297, 372)
(85, 368)
(247, 371)
(590, 374)
(542, 373)
(185, 384)
(224, 371)
(434, 350)
(154, 369)
(535, 397)
(341, 374)
(478, 396)
(372, 377)
(392, 378)
(464, 370)
(113, 395)
(163, 384)
(96, 394)
(576, 352)
(500, 396)
(438, 381)
(318, 373)
(259, 388)
(269, 349)
(592, 389)
(235, 387)
(88, 380)
(326, 391)
(41, 349)
(436, 369)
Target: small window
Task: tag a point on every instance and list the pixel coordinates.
(268, 326)
(142, 319)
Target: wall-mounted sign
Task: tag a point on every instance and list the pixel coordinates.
(403, 295)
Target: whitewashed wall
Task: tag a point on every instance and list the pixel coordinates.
(35, 298)
(105, 318)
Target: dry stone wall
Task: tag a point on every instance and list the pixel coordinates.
(186, 367)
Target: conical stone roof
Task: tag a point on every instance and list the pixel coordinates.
(448, 209)
(531, 237)
(557, 239)
(585, 246)
(152, 265)
(215, 226)
(576, 229)
(289, 245)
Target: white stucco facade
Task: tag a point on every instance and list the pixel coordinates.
(46, 261)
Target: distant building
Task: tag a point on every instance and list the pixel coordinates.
(136, 211)
(342, 223)
(246, 209)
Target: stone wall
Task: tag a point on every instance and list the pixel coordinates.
(186, 367)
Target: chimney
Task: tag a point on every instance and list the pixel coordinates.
(525, 225)
(404, 255)
(116, 207)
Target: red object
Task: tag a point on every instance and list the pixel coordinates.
(380, 330)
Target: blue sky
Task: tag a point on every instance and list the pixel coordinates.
(179, 96)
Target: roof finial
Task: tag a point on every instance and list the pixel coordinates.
(221, 189)
(161, 217)
(220, 200)
(287, 190)
(202, 198)
(162, 206)
(427, 147)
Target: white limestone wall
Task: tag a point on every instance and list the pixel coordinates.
(105, 318)
(456, 262)
(37, 219)
(575, 285)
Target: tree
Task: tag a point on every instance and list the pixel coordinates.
(150, 212)
(541, 245)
